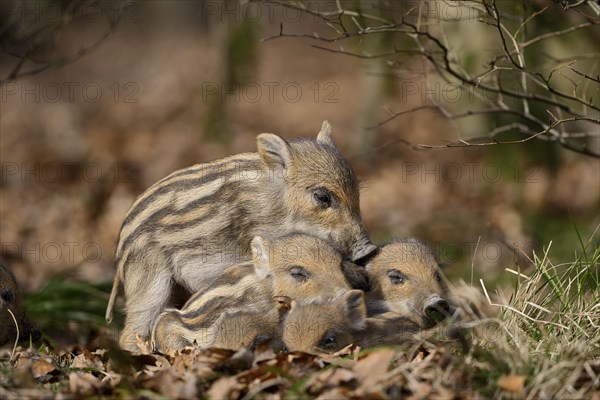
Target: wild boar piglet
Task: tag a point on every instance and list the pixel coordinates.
(11, 300)
(406, 279)
(185, 229)
(329, 326)
(250, 329)
(296, 267)
(325, 326)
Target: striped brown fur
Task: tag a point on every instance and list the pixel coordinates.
(329, 326)
(325, 326)
(406, 281)
(244, 302)
(189, 226)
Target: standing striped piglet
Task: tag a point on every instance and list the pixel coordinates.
(188, 227)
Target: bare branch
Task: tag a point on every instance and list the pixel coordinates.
(17, 73)
(591, 78)
(500, 27)
(339, 36)
(538, 89)
(367, 56)
(490, 139)
(557, 33)
(447, 67)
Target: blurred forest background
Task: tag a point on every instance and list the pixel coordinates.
(102, 99)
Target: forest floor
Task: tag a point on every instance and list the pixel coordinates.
(541, 343)
(72, 166)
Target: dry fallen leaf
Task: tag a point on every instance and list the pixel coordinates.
(112, 379)
(40, 367)
(372, 368)
(239, 361)
(83, 383)
(23, 378)
(335, 393)
(159, 364)
(226, 388)
(445, 393)
(331, 378)
(173, 384)
(512, 383)
(143, 345)
(422, 390)
(81, 361)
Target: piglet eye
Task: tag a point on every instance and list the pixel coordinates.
(259, 340)
(322, 197)
(396, 277)
(299, 273)
(7, 295)
(329, 340)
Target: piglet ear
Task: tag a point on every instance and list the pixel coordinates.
(260, 256)
(354, 302)
(325, 134)
(273, 150)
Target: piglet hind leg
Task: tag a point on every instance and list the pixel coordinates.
(147, 292)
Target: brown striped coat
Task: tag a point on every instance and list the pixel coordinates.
(185, 229)
(329, 326)
(247, 301)
(406, 280)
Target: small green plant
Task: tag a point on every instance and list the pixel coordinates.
(544, 343)
(549, 327)
(65, 305)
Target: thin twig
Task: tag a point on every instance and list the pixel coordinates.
(16, 71)
(262, 386)
(596, 79)
(12, 354)
(555, 34)
(435, 49)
